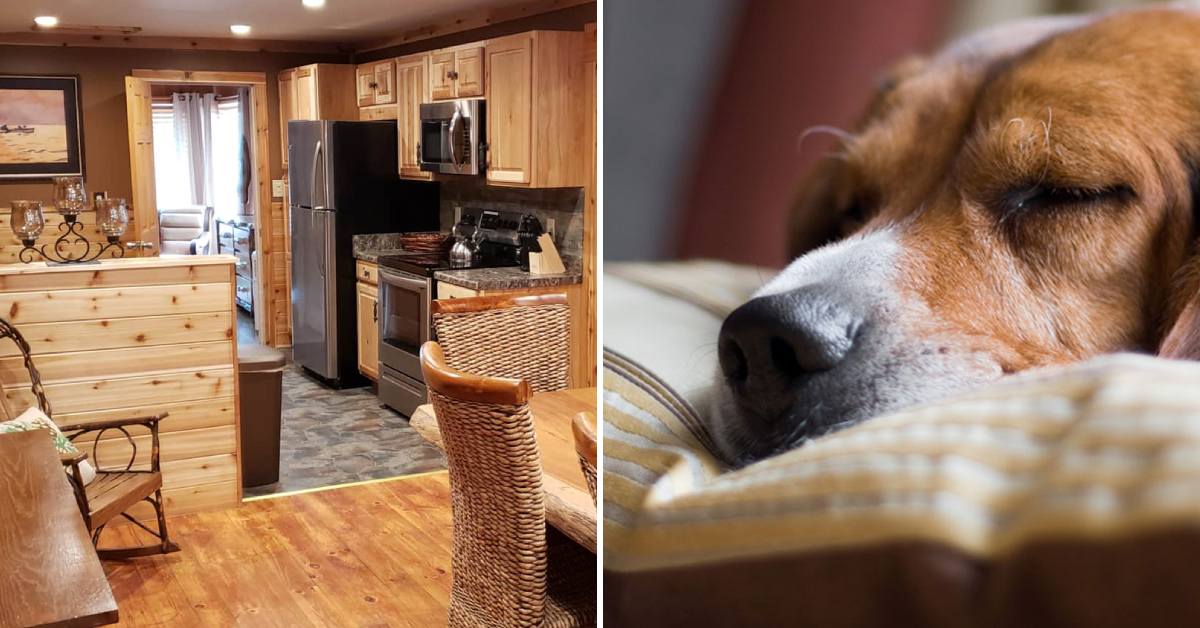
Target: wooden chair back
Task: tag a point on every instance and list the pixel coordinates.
(499, 558)
(583, 428)
(526, 337)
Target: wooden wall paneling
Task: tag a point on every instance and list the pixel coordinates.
(460, 22)
(219, 77)
(201, 470)
(589, 301)
(188, 499)
(131, 338)
(122, 333)
(10, 246)
(92, 303)
(264, 217)
(125, 361)
(41, 278)
(113, 392)
(210, 441)
(184, 415)
(236, 387)
(229, 44)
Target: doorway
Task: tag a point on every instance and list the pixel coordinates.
(200, 163)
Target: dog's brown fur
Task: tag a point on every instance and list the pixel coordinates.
(947, 146)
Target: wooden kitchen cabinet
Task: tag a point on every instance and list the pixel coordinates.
(456, 72)
(287, 109)
(368, 320)
(320, 91)
(376, 83)
(536, 110)
(412, 89)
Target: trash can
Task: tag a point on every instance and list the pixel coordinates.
(260, 383)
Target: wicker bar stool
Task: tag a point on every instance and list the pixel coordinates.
(583, 428)
(510, 568)
(515, 337)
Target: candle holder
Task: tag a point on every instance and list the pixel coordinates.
(70, 197)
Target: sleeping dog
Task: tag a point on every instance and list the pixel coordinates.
(1026, 197)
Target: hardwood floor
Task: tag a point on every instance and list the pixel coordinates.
(368, 555)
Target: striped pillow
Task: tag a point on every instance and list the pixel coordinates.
(980, 493)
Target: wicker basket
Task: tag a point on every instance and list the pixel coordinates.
(425, 242)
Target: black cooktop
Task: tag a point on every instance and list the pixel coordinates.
(425, 264)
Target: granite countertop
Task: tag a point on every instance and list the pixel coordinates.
(373, 255)
(369, 247)
(511, 277)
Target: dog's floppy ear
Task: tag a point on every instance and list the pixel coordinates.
(817, 213)
(1182, 338)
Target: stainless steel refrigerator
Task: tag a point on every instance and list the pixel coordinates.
(343, 181)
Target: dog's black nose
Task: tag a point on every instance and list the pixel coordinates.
(770, 342)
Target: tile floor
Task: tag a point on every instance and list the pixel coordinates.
(333, 437)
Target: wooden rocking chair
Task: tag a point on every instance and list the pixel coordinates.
(114, 490)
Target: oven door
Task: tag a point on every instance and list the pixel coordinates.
(403, 320)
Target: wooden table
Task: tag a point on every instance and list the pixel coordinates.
(49, 572)
(569, 505)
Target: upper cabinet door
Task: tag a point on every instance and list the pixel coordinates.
(441, 75)
(287, 108)
(306, 93)
(509, 72)
(412, 89)
(468, 66)
(365, 84)
(385, 83)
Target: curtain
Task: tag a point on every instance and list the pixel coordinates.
(247, 177)
(194, 141)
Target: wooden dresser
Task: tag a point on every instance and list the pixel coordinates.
(236, 238)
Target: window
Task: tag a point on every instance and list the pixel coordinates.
(177, 167)
(172, 177)
(227, 158)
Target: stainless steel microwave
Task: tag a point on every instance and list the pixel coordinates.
(452, 138)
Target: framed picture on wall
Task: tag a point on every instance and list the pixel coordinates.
(41, 132)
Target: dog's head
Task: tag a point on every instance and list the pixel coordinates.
(1026, 198)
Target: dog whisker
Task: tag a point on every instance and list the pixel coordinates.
(843, 135)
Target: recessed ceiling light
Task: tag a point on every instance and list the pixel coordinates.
(46, 21)
(239, 29)
(314, 4)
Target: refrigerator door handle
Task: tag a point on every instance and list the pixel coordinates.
(321, 259)
(312, 182)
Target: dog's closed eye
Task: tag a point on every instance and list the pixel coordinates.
(1042, 198)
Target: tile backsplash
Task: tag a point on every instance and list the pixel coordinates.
(563, 205)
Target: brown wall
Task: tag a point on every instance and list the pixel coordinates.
(802, 64)
(102, 74)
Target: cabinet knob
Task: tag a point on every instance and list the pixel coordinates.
(452, 75)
